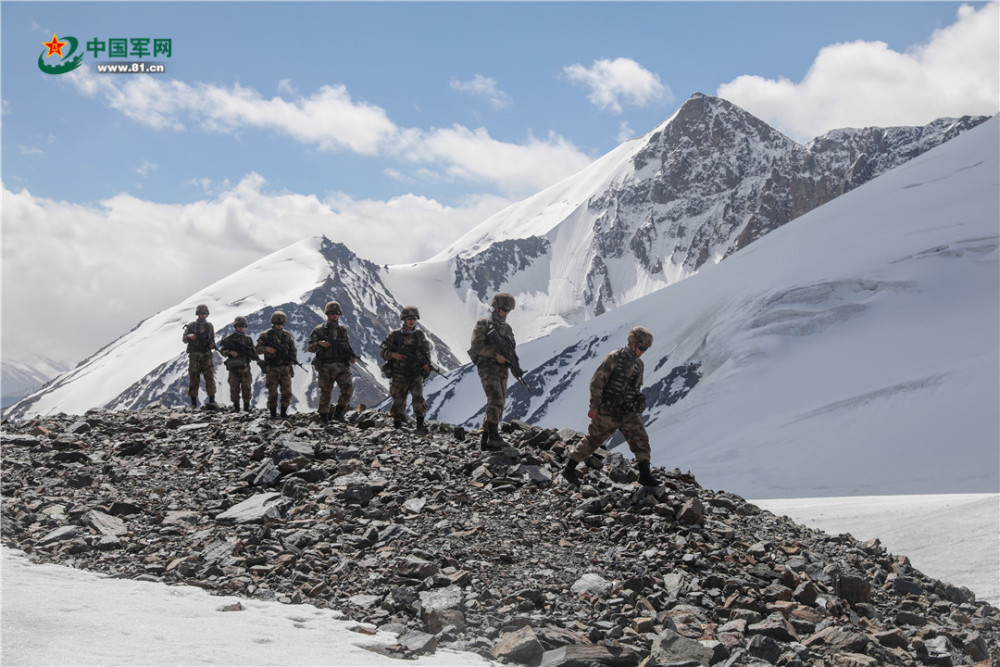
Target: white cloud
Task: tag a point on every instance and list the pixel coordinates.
(484, 87)
(860, 84)
(620, 81)
(57, 267)
(30, 150)
(331, 120)
(146, 168)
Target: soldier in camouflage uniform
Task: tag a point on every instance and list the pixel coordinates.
(332, 346)
(200, 338)
(616, 403)
(278, 348)
(492, 367)
(407, 354)
(237, 348)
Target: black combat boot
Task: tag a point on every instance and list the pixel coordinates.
(493, 439)
(274, 413)
(569, 472)
(236, 405)
(420, 424)
(194, 401)
(645, 476)
(284, 411)
(211, 405)
(338, 413)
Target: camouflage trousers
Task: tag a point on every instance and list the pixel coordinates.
(494, 379)
(240, 380)
(399, 388)
(603, 427)
(278, 377)
(201, 363)
(327, 375)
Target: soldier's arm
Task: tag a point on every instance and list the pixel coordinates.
(261, 345)
(313, 345)
(600, 379)
(479, 345)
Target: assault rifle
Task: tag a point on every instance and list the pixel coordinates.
(201, 337)
(505, 347)
(242, 348)
(421, 359)
(282, 353)
(345, 348)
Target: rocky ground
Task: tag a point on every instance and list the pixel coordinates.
(427, 536)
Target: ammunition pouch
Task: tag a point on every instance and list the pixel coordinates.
(236, 363)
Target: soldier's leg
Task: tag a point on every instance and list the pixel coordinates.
(417, 392)
(285, 383)
(346, 385)
(246, 381)
(194, 377)
(601, 428)
(397, 390)
(235, 385)
(636, 437)
(271, 382)
(208, 368)
(325, 380)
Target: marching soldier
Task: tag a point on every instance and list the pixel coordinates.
(200, 338)
(334, 356)
(237, 348)
(492, 366)
(616, 403)
(407, 354)
(278, 348)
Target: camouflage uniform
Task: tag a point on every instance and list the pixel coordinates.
(279, 369)
(333, 366)
(200, 360)
(616, 403)
(616, 393)
(492, 375)
(240, 378)
(406, 376)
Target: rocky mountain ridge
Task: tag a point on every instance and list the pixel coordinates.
(708, 181)
(425, 536)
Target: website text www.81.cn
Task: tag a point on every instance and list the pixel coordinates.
(131, 68)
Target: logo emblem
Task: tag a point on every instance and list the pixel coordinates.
(67, 63)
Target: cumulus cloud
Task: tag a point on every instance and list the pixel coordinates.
(332, 120)
(484, 87)
(859, 84)
(613, 83)
(58, 271)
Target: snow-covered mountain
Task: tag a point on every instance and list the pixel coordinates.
(150, 363)
(706, 182)
(856, 349)
(23, 376)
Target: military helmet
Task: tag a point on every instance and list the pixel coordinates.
(240, 321)
(503, 301)
(278, 317)
(409, 311)
(333, 307)
(641, 336)
(202, 308)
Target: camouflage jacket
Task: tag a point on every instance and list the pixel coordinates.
(237, 342)
(332, 333)
(481, 352)
(204, 336)
(413, 344)
(279, 340)
(616, 387)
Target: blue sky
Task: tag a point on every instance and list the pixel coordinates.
(395, 127)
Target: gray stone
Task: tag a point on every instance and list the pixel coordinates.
(671, 646)
(257, 509)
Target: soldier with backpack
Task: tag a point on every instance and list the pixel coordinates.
(407, 355)
(332, 346)
(200, 339)
(616, 403)
(278, 348)
(237, 349)
(493, 366)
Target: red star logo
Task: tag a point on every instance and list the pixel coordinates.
(55, 46)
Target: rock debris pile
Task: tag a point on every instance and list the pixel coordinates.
(446, 546)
